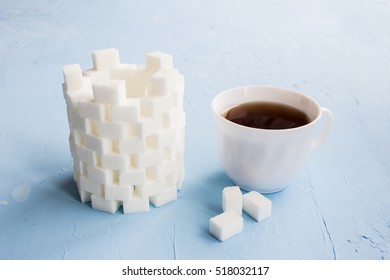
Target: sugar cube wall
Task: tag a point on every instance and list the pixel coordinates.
(126, 131)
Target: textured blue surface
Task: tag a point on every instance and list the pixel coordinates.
(338, 52)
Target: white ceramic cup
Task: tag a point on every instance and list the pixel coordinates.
(266, 160)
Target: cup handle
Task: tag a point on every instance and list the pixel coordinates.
(327, 116)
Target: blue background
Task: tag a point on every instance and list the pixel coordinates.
(338, 52)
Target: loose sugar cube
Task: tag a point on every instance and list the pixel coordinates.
(109, 91)
(232, 199)
(158, 60)
(105, 59)
(257, 206)
(226, 225)
(106, 205)
(73, 77)
(136, 204)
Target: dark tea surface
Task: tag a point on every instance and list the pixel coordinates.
(267, 115)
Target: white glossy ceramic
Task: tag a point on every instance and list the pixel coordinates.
(267, 160)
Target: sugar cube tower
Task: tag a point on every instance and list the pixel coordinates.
(126, 126)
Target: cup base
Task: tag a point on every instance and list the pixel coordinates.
(262, 189)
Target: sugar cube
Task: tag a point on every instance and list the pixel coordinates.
(73, 77)
(257, 206)
(226, 225)
(118, 192)
(158, 60)
(164, 197)
(106, 205)
(109, 91)
(232, 199)
(105, 59)
(136, 204)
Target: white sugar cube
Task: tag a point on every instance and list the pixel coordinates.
(106, 205)
(141, 84)
(155, 106)
(149, 188)
(79, 137)
(145, 127)
(91, 110)
(132, 176)
(169, 167)
(100, 175)
(226, 225)
(73, 77)
(158, 60)
(80, 123)
(164, 82)
(136, 204)
(84, 195)
(164, 197)
(105, 59)
(115, 161)
(109, 91)
(126, 72)
(90, 186)
(257, 206)
(127, 111)
(232, 199)
(165, 138)
(96, 75)
(148, 158)
(131, 145)
(98, 144)
(155, 172)
(118, 192)
(85, 155)
(112, 130)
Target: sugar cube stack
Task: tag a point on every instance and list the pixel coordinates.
(126, 126)
(230, 222)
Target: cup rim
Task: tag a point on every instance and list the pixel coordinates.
(219, 116)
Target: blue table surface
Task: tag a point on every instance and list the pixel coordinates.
(338, 52)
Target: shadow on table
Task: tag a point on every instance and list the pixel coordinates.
(68, 186)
